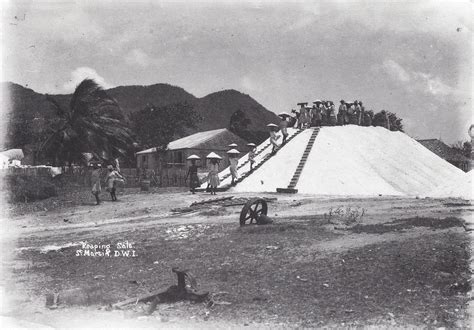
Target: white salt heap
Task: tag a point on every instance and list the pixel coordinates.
(461, 188)
(356, 161)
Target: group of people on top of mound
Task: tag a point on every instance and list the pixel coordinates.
(323, 113)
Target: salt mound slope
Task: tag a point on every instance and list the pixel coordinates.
(278, 170)
(461, 188)
(357, 161)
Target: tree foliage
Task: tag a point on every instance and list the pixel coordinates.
(239, 122)
(92, 123)
(463, 147)
(158, 126)
(380, 119)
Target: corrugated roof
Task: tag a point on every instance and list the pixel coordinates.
(194, 140)
(443, 150)
(191, 141)
(146, 151)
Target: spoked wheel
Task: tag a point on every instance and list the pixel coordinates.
(252, 210)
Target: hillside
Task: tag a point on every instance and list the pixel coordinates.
(215, 109)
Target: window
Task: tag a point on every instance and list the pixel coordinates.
(178, 157)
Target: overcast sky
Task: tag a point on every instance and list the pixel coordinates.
(412, 58)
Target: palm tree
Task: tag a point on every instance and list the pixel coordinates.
(93, 123)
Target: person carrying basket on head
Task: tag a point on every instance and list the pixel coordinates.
(193, 173)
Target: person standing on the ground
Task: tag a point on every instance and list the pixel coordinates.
(368, 115)
(324, 113)
(113, 177)
(213, 176)
(252, 153)
(233, 163)
(95, 181)
(350, 113)
(356, 119)
(296, 118)
(362, 114)
(342, 114)
(292, 119)
(274, 137)
(193, 173)
(386, 119)
(283, 127)
(332, 114)
(318, 121)
(301, 116)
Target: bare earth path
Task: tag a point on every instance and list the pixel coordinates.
(266, 270)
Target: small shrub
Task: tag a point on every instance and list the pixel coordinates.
(346, 216)
(27, 188)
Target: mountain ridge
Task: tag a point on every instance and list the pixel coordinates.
(215, 108)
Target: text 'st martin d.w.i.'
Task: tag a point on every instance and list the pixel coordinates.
(121, 249)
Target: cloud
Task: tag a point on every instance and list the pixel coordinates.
(416, 81)
(395, 71)
(139, 57)
(82, 73)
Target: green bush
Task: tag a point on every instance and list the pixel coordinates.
(26, 188)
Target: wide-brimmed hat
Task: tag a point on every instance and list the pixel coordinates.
(232, 145)
(193, 157)
(233, 152)
(251, 144)
(213, 155)
(317, 101)
(284, 114)
(272, 125)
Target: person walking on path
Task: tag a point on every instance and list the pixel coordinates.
(213, 176)
(274, 137)
(252, 155)
(95, 181)
(113, 178)
(233, 162)
(283, 127)
(193, 173)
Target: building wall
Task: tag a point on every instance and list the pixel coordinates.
(170, 167)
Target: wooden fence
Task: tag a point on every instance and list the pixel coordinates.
(81, 175)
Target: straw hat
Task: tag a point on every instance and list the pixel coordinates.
(272, 125)
(193, 157)
(284, 114)
(232, 145)
(251, 144)
(233, 151)
(213, 155)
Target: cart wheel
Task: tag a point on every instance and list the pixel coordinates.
(252, 210)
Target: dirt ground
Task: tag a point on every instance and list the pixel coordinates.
(325, 262)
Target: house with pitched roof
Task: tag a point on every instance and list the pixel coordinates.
(449, 154)
(170, 164)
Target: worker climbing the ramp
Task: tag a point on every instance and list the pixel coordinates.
(251, 154)
(233, 162)
(273, 137)
(283, 126)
